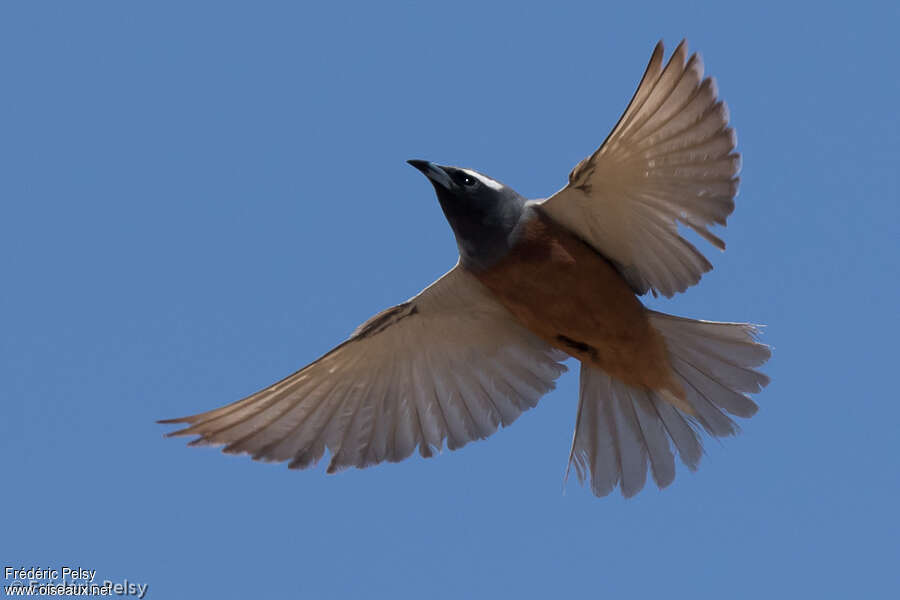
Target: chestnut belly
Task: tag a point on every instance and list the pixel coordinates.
(565, 292)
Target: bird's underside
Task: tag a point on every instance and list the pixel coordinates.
(574, 299)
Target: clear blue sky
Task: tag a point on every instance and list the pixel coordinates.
(198, 198)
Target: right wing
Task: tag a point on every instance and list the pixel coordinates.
(669, 159)
(451, 363)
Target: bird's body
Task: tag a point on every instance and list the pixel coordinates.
(537, 282)
(575, 300)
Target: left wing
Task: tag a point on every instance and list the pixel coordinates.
(451, 363)
(669, 159)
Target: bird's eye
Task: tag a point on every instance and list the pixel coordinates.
(464, 179)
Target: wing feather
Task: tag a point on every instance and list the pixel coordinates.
(670, 159)
(450, 365)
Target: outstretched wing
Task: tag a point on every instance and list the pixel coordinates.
(669, 159)
(450, 363)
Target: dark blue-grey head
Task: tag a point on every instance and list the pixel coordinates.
(482, 211)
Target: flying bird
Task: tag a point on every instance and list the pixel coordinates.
(537, 282)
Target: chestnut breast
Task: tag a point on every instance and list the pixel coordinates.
(565, 292)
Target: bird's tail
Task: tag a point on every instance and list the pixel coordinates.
(620, 428)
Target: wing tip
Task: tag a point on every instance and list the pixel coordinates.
(178, 421)
(656, 59)
(200, 441)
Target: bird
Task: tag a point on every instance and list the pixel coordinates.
(539, 282)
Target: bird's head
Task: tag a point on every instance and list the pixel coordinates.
(482, 211)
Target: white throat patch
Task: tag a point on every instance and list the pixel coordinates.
(494, 185)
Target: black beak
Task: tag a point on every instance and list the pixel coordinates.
(435, 173)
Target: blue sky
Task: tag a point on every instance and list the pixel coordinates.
(198, 198)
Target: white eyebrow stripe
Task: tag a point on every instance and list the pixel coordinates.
(494, 185)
